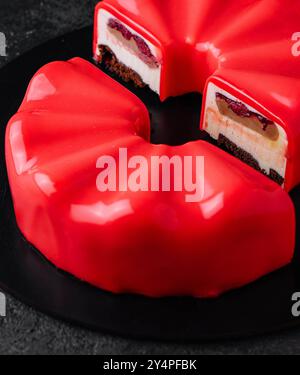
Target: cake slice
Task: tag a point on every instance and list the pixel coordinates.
(239, 58)
(246, 133)
(145, 42)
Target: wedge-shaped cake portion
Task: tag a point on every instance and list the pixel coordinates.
(176, 47)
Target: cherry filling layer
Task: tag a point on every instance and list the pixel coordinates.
(237, 111)
(133, 42)
(246, 134)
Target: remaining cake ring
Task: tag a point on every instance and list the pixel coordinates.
(153, 243)
(239, 53)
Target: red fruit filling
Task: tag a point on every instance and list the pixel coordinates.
(144, 51)
(241, 110)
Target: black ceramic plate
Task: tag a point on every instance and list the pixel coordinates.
(264, 306)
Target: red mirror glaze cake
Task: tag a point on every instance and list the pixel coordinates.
(241, 51)
(153, 243)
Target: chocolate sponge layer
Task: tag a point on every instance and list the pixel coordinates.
(109, 59)
(246, 157)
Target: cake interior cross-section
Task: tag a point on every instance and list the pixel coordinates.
(127, 53)
(245, 133)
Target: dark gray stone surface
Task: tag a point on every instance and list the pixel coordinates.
(27, 23)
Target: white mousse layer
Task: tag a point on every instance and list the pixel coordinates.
(269, 154)
(150, 75)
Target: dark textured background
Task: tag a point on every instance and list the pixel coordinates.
(27, 23)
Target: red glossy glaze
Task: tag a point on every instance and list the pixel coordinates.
(152, 243)
(246, 44)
